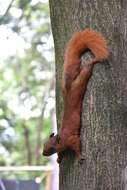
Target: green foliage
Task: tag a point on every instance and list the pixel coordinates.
(25, 80)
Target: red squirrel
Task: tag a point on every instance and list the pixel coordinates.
(74, 86)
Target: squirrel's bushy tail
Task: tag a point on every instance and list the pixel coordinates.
(79, 43)
(87, 39)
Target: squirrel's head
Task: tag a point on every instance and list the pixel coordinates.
(50, 145)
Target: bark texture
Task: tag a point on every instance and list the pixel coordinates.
(104, 112)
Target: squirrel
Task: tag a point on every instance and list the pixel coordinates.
(74, 86)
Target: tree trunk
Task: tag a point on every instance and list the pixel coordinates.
(104, 112)
(27, 145)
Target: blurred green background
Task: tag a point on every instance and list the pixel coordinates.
(26, 84)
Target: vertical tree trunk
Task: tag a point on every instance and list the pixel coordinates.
(104, 112)
(27, 145)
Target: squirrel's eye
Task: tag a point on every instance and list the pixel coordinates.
(51, 135)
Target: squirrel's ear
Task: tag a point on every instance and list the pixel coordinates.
(52, 134)
(58, 139)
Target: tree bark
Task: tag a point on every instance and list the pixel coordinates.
(104, 111)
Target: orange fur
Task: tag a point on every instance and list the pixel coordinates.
(74, 87)
(81, 41)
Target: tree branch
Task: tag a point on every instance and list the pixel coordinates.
(6, 12)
